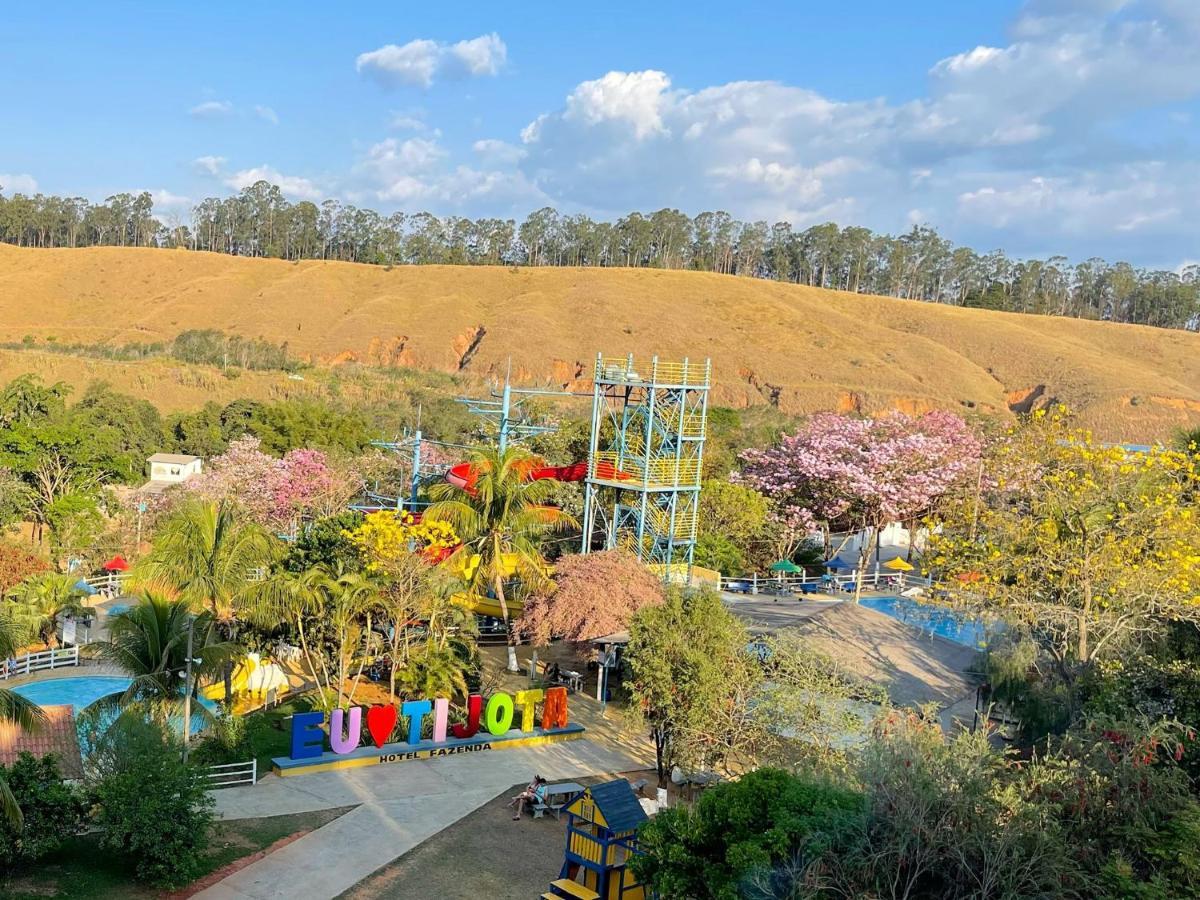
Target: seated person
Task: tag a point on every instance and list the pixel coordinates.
(553, 673)
(535, 793)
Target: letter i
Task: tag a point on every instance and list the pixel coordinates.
(441, 715)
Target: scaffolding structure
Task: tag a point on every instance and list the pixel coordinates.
(647, 450)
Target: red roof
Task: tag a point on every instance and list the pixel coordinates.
(56, 735)
(116, 564)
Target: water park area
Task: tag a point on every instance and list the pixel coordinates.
(548, 653)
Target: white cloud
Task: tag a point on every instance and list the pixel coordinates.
(632, 98)
(267, 114)
(208, 165)
(292, 185)
(498, 152)
(420, 62)
(484, 55)
(164, 200)
(407, 121)
(211, 109)
(18, 184)
(1030, 144)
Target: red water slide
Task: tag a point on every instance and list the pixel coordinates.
(464, 477)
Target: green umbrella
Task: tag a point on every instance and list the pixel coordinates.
(786, 565)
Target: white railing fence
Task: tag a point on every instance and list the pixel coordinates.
(37, 662)
(109, 585)
(233, 773)
(793, 584)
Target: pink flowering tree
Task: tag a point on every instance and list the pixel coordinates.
(277, 493)
(245, 475)
(839, 473)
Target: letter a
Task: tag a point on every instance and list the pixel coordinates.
(554, 710)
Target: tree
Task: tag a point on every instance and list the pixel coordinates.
(1083, 546)
(330, 611)
(735, 831)
(151, 807)
(209, 554)
(501, 522)
(16, 710)
(735, 529)
(41, 599)
(17, 564)
(844, 474)
(149, 643)
(690, 664)
(594, 594)
(53, 811)
(415, 605)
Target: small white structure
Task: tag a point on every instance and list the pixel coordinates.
(168, 469)
(173, 468)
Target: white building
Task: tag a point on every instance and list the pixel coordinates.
(167, 469)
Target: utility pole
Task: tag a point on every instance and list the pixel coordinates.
(187, 692)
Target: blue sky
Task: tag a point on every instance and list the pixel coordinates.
(1053, 126)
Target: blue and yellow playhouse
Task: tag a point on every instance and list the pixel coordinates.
(602, 825)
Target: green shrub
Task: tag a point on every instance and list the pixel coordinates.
(740, 832)
(150, 806)
(53, 810)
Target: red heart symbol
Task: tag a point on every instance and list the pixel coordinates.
(380, 722)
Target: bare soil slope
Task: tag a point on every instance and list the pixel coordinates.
(800, 348)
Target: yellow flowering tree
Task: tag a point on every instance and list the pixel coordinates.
(1081, 545)
(384, 538)
(421, 624)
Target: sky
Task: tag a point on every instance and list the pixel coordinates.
(1043, 127)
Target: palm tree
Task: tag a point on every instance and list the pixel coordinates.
(209, 556)
(17, 710)
(330, 611)
(149, 643)
(41, 599)
(501, 521)
(436, 671)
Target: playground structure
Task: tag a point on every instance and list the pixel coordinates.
(252, 676)
(648, 464)
(602, 825)
(653, 462)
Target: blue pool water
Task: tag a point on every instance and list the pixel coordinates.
(78, 692)
(943, 622)
(82, 692)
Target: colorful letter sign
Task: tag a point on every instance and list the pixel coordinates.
(496, 717)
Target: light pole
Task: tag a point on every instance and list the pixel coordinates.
(187, 691)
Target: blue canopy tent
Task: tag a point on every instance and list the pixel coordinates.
(84, 588)
(841, 563)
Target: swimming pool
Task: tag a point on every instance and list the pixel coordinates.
(85, 690)
(942, 622)
(77, 692)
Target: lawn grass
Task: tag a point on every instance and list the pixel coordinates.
(82, 870)
(266, 736)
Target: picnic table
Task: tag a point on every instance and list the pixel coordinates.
(556, 798)
(574, 681)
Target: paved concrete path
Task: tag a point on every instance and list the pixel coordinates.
(399, 806)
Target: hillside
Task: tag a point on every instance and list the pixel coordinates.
(801, 348)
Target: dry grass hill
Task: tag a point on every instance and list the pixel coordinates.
(800, 348)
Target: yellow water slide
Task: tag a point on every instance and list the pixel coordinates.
(240, 681)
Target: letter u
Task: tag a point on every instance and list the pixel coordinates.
(350, 742)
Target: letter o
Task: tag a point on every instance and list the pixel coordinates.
(498, 716)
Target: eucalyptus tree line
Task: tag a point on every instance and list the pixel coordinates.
(917, 265)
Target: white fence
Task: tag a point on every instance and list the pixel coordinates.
(233, 773)
(801, 584)
(37, 662)
(109, 585)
